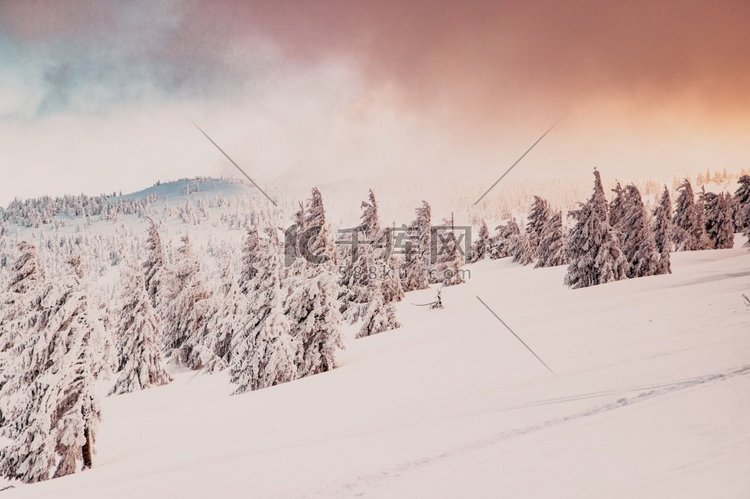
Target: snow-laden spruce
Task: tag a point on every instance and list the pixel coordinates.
(719, 220)
(638, 242)
(742, 200)
(264, 351)
(617, 208)
(662, 226)
(538, 217)
(689, 232)
(188, 308)
(311, 302)
(447, 268)
(140, 360)
(214, 348)
(551, 249)
(505, 238)
(417, 258)
(50, 407)
(521, 249)
(482, 246)
(20, 303)
(153, 267)
(593, 245)
(393, 290)
(361, 256)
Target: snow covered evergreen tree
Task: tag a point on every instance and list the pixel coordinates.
(393, 290)
(538, 216)
(188, 309)
(380, 317)
(638, 244)
(617, 208)
(51, 411)
(593, 245)
(551, 248)
(450, 259)
(140, 361)
(719, 220)
(742, 196)
(316, 238)
(483, 245)
(154, 265)
(264, 352)
(249, 259)
(20, 304)
(522, 251)
(663, 232)
(417, 263)
(505, 239)
(689, 232)
(311, 305)
(364, 255)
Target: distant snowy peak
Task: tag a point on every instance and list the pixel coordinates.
(192, 187)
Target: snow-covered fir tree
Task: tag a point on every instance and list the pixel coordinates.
(638, 244)
(719, 220)
(154, 265)
(393, 290)
(700, 209)
(214, 351)
(617, 207)
(689, 232)
(363, 255)
(380, 317)
(505, 238)
(20, 303)
(482, 246)
(742, 197)
(249, 259)
(316, 238)
(538, 216)
(415, 273)
(593, 245)
(188, 309)
(522, 250)
(662, 227)
(447, 269)
(140, 361)
(311, 303)
(51, 411)
(264, 351)
(551, 250)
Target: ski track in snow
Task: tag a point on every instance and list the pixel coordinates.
(361, 485)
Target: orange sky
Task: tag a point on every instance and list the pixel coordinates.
(654, 85)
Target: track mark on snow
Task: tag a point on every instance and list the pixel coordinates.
(354, 487)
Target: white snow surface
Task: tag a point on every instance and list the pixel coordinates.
(651, 398)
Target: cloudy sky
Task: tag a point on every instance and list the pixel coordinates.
(101, 96)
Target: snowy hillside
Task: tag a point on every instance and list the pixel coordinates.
(650, 399)
(180, 189)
